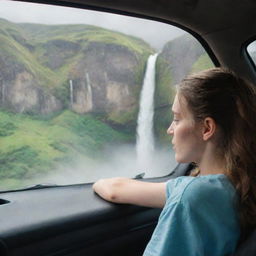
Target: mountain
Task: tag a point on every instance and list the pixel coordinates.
(44, 68)
(66, 92)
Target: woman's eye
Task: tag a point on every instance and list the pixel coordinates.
(175, 120)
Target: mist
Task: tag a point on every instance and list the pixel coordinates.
(115, 161)
(155, 33)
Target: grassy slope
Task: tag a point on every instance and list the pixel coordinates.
(31, 147)
(203, 62)
(84, 34)
(15, 53)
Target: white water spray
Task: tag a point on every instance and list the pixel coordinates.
(145, 137)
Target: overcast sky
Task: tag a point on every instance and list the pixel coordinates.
(155, 33)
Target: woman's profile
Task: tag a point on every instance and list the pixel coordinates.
(209, 212)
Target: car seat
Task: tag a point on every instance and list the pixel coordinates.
(248, 247)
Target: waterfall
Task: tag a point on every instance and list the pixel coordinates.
(89, 90)
(71, 93)
(145, 137)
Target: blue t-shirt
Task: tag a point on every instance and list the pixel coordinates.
(199, 218)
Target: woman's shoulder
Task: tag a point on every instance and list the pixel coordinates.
(210, 189)
(201, 189)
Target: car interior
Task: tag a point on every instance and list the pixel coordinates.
(70, 219)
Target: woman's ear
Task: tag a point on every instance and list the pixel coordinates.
(209, 128)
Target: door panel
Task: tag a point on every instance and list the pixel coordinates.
(72, 220)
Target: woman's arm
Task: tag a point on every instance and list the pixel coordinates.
(129, 191)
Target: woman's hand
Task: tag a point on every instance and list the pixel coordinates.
(129, 191)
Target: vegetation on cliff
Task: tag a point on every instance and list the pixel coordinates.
(55, 54)
(179, 57)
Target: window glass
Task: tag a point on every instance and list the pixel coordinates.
(86, 95)
(251, 49)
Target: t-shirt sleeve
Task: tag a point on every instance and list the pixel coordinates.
(175, 188)
(194, 222)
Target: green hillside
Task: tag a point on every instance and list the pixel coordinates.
(35, 47)
(15, 53)
(78, 36)
(83, 34)
(31, 147)
(203, 62)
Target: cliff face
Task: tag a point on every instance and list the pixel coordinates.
(180, 54)
(83, 68)
(20, 91)
(104, 79)
(179, 57)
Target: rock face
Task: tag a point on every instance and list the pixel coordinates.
(178, 58)
(104, 79)
(57, 51)
(75, 71)
(20, 92)
(180, 54)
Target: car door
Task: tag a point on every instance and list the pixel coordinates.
(71, 101)
(72, 220)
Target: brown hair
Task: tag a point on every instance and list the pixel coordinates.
(231, 101)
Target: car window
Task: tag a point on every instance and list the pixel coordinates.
(87, 95)
(251, 49)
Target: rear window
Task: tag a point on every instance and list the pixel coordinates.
(87, 95)
(251, 49)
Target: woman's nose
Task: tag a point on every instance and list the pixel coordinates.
(170, 129)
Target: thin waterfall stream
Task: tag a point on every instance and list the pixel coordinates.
(71, 93)
(89, 90)
(145, 135)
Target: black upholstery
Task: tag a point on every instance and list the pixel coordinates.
(248, 247)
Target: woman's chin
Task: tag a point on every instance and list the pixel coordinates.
(180, 160)
(177, 158)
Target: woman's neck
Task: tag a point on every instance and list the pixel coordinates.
(211, 163)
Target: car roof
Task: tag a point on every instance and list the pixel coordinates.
(223, 27)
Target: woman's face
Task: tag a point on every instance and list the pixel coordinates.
(186, 132)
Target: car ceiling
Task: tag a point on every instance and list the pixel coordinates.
(189, 13)
(223, 25)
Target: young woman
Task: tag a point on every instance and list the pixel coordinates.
(208, 213)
